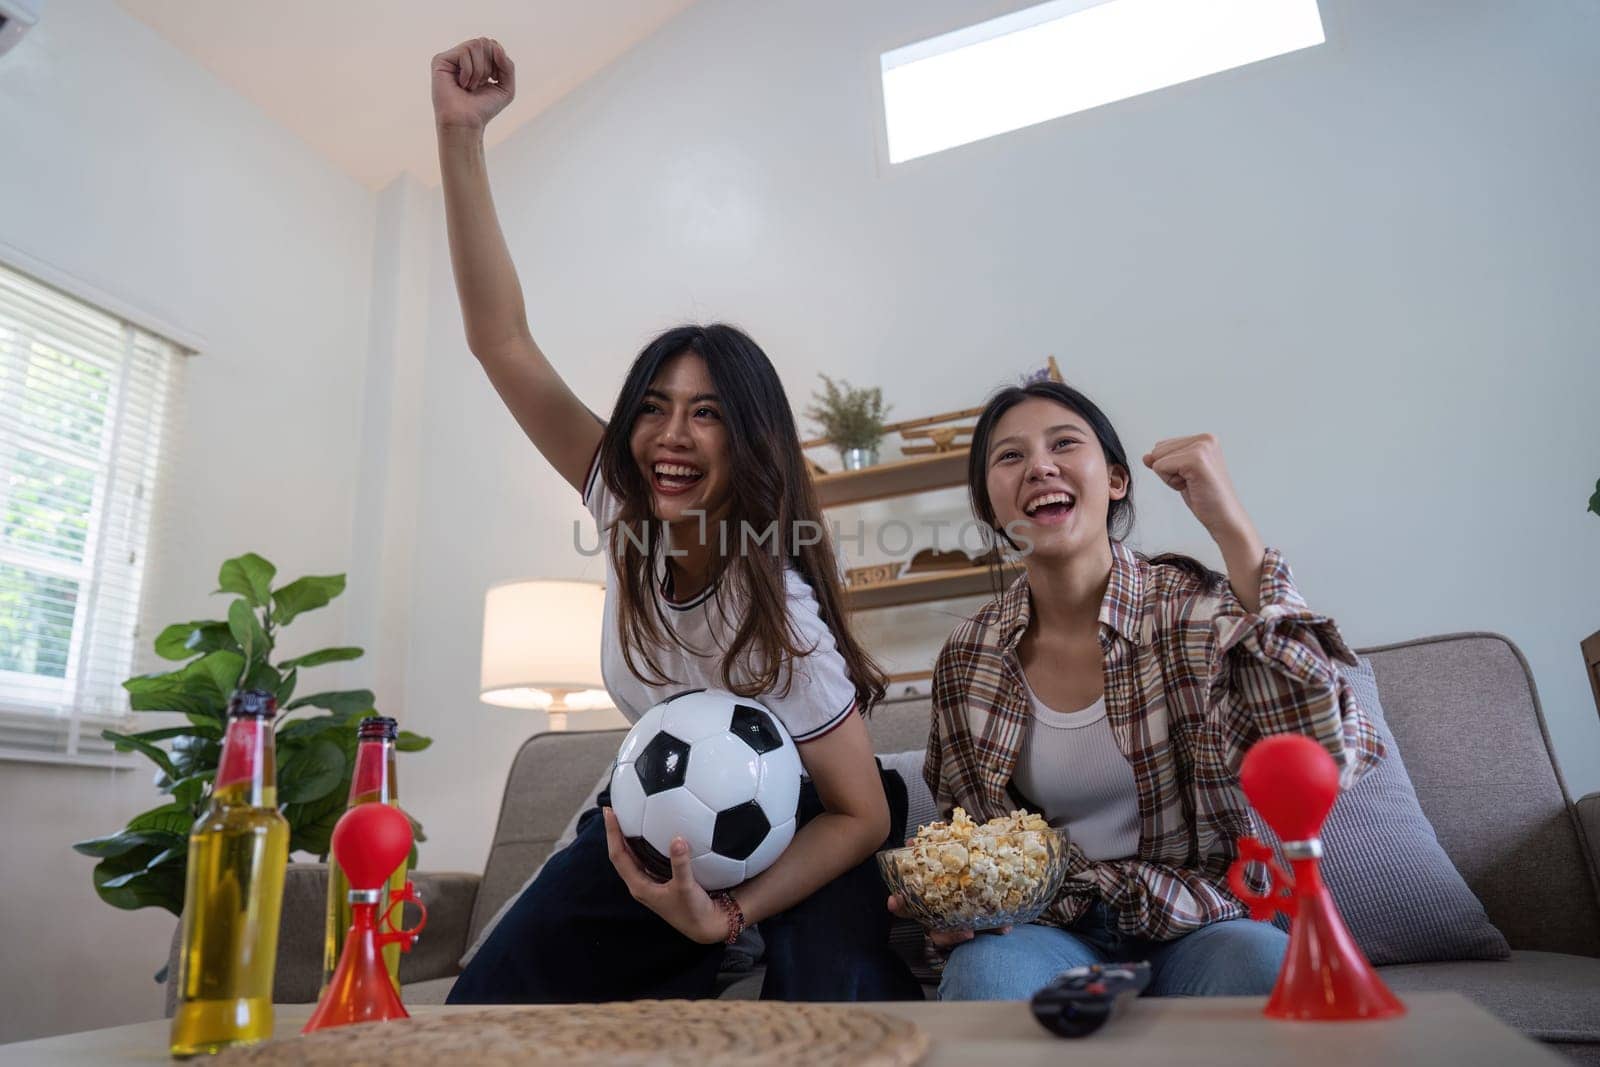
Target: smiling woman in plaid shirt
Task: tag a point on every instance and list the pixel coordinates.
(1117, 695)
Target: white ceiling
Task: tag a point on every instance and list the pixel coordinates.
(350, 77)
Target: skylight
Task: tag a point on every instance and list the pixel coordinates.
(1065, 56)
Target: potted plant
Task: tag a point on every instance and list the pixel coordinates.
(144, 864)
(851, 419)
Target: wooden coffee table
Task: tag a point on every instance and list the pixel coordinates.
(1224, 1031)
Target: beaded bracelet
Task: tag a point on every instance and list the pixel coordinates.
(735, 914)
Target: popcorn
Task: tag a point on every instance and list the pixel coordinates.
(962, 871)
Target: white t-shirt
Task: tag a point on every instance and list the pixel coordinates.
(820, 694)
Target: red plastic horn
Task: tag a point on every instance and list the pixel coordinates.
(369, 842)
(1292, 783)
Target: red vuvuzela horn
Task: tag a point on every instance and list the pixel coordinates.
(1292, 782)
(369, 842)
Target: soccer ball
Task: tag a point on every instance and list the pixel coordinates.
(717, 769)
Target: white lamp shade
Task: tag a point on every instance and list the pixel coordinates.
(541, 637)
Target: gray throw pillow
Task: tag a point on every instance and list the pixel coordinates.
(1400, 895)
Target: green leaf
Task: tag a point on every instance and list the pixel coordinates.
(142, 878)
(195, 755)
(199, 689)
(249, 576)
(184, 639)
(312, 726)
(246, 629)
(311, 825)
(305, 594)
(311, 773)
(321, 656)
(340, 702)
(212, 732)
(410, 742)
(286, 685)
(222, 669)
(1594, 501)
(171, 694)
(125, 841)
(132, 743)
(189, 791)
(212, 636)
(262, 676)
(168, 818)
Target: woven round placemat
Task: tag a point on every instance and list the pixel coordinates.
(701, 1033)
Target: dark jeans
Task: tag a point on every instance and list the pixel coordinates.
(577, 935)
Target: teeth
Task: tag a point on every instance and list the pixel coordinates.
(1048, 498)
(676, 470)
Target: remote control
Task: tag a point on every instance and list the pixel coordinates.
(1079, 1001)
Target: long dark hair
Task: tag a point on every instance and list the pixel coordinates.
(770, 490)
(1120, 513)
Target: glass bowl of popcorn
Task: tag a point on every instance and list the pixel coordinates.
(960, 874)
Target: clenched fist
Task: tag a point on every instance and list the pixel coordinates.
(1193, 466)
(472, 83)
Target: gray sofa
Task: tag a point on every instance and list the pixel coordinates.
(1463, 708)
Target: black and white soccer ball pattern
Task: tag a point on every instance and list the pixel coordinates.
(719, 770)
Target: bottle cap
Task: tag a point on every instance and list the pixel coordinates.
(253, 702)
(378, 728)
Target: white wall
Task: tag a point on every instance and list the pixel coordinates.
(1368, 267)
(126, 166)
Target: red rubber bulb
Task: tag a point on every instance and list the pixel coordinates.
(1292, 781)
(371, 840)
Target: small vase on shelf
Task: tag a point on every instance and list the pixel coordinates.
(856, 459)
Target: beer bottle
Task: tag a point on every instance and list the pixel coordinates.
(238, 851)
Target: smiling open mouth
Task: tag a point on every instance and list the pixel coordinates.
(1050, 508)
(675, 477)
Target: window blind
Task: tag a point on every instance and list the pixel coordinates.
(86, 401)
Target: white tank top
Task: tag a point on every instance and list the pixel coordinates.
(1074, 773)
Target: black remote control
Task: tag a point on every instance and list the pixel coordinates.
(1079, 1001)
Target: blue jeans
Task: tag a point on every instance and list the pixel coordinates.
(576, 934)
(1239, 957)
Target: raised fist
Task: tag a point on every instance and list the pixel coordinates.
(472, 83)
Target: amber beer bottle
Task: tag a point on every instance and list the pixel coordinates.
(237, 854)
(373, 780)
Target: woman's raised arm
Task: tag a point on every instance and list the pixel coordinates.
(472, 83)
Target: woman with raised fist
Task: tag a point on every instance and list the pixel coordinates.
(701, 440)
(1117, 695)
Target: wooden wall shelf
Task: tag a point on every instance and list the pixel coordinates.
(917, 588)
(900, 477)
(921, 472)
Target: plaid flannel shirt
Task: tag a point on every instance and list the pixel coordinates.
(1192, 680)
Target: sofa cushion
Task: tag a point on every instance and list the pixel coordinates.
(1548, 995)
(1466, 710)
(1402, 899)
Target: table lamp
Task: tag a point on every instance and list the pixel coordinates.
(541, 647)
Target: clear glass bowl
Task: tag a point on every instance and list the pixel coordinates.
(942, 893)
